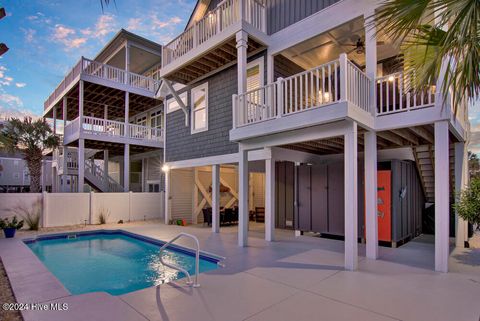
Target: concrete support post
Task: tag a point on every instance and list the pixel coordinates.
(371, 56)
(351, 198)
(270, 199)
(81, 164)
(243, 214)
(461, 179)
(442, 197)
(126, 168)
(242, 45)
(215, 198)
(167, 196)
(371, 220)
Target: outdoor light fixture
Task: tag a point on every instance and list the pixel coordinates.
(3, 48)
(165, 168)
(2, 13)
(391, 79)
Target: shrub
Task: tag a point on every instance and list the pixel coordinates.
(31, 215)
(468, 202)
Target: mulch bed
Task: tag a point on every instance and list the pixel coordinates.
(6, 296)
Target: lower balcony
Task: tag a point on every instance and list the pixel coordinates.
(112, 131)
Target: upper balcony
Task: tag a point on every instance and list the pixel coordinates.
(106, 75)
(209, 43)
(112, 131)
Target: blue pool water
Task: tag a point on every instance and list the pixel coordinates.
(113, 262)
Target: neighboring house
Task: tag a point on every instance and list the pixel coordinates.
(291, 105)
(15, 177)
(112, 120)
(14, 174)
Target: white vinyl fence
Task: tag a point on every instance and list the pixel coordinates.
(63, 209)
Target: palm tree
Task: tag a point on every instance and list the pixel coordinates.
(31, 138)
(437, 37)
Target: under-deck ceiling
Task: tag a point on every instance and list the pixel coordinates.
(114, 149)
(216, 58)
(97, 96)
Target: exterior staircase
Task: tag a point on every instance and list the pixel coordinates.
(66, 161)
(425, 160)
(97, 178)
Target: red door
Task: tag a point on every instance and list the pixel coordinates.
(384, 202)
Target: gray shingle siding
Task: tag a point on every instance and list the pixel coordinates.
(182, 145)
(283, 13)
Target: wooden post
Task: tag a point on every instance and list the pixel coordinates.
(126, 168)
(371, 58)
(371, 220)
(243, 213)
(270, 199)
(215, 198)
(343, 77)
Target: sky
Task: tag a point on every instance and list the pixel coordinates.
(47, 37)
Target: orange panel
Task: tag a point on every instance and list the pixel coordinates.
(384, 205)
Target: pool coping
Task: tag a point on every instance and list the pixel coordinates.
(211, 257)
(32, 282)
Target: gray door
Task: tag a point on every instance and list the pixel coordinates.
(304, 222)
(336, 206)
(319, 199)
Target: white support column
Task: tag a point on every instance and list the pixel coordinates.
(126, 168)
(371, 56)
(80, 104)
(270, 68)
(243, 197)
(54, 120)
(242, 45)
(442, 197)
(461, 175)
(270, 199)
(351, 199)
(81, 164)
(127, 62)
(215, 198)
(167, 196)
(127, 113)
(105, 161)
(54, 180)
(371, 220)
(64, 112)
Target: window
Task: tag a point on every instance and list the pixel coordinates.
(156, 119)
(172, 104)
(199, 102)
(153, 187)
(142, 120)
(255, 74)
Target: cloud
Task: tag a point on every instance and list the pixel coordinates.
(155, 27)
(10, 100)
(29, 34)
(20, 84)
(68, 37)
(16, 112)
(4, 79)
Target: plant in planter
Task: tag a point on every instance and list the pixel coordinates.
(9, 227)
(468, 202)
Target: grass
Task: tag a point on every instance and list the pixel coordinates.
(103, 215)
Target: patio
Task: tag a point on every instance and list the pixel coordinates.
(294, 278)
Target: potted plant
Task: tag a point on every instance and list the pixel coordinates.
(9, 227)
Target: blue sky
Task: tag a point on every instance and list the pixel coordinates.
(47, 37)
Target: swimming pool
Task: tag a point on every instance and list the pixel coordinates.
(116, 262)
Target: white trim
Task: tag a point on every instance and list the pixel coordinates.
(204, 87)
(183, 96)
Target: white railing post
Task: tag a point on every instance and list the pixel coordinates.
(280, 103)
(195, 35)
(241, 9)
(264, 18)
(343, 76)
(234, 110)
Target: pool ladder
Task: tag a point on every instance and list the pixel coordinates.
(179, 268)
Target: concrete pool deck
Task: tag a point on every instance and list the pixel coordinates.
(293, 278)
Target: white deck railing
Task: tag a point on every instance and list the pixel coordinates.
(314, 88)
(213, 23)
(112, 128)
(106, 72)
(394, 95)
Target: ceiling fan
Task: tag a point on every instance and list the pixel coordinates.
(359, 46)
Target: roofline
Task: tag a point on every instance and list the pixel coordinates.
(126, 33)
